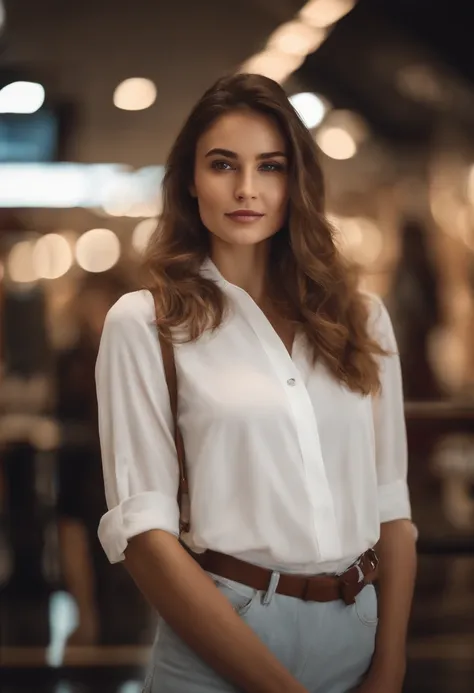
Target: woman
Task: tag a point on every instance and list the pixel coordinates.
(296, 461)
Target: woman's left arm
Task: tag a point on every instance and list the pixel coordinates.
(397, 569)
(396, 548)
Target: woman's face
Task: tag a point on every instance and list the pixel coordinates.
(241, 178)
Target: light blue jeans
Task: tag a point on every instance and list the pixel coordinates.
(328, 646)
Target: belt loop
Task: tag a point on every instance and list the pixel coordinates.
(272, 587)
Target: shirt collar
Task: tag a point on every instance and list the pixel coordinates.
(210, 271)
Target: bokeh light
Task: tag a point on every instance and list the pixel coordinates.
(336, 143)
(296, 38)
(360, 239)
(350, 121)
(52, 256)
(20, 263)
(97, 250)
(135, 94)
(142, 234)
(274, 64)
(324, 13)
(310, 108)
(21, 97)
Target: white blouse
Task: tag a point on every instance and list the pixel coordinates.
(287, 468)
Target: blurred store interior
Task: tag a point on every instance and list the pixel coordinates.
(92, 95)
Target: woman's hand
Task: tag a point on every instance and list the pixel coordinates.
(383, 680)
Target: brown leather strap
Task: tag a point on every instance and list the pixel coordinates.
(320, 588)
(169, 364)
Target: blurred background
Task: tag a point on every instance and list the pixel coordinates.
(92, 94)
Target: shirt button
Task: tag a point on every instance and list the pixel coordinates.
(291, 382)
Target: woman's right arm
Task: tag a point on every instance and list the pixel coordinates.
(187, 599)
(141, 526)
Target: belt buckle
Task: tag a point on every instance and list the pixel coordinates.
(373, 559)
(350, 589)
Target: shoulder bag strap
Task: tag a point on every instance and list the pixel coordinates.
(169, 364)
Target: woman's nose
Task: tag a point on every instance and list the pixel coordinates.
(245, 186)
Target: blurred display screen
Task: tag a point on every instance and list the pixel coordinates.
(29, 137)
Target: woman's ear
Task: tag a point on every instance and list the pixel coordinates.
(192, 190)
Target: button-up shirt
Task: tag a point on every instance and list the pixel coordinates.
(288, 469)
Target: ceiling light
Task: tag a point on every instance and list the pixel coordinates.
(135, 94)
(274, 64)
(64, 185)
(21, 97)
(310, 108)
(324, 13)
(297, 38)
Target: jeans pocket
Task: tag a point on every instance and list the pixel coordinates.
(240, 596)
(366, 606)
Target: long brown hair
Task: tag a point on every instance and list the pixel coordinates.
(312, 284)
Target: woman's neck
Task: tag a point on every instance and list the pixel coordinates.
(243, 266)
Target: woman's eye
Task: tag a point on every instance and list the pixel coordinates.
(221, 165)
(270, 167)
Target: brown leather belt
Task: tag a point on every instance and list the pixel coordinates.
(318, 588)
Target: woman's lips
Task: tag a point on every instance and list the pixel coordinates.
(244, 216)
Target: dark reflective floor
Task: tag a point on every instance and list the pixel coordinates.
(441, 644)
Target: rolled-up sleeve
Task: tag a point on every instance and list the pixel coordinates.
(389, 424)
(136, 429)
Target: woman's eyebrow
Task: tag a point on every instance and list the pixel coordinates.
(271, 155)
(232, 155)
(222, 152)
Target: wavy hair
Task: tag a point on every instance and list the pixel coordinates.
(312, 285)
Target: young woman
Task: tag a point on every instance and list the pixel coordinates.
(290, 409)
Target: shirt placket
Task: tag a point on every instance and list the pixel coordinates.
(285, 369)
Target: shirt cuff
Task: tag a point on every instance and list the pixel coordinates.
(394, 502)
(135, 515)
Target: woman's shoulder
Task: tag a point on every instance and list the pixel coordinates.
(379, 321)
(132, 308)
